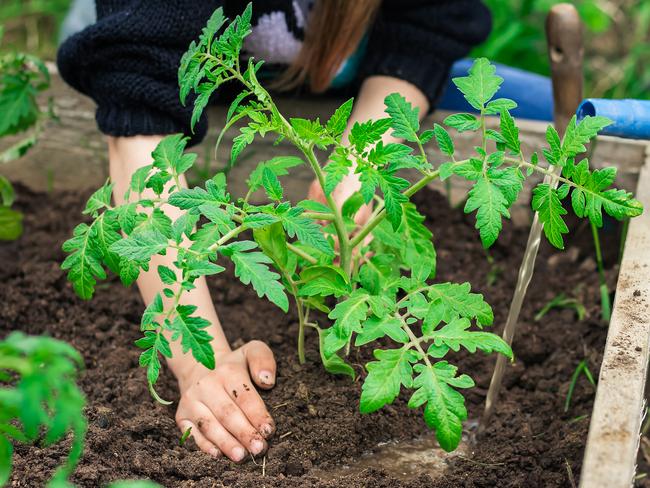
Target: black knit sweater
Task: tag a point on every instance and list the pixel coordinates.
(127, 62)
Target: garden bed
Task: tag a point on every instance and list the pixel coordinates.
(530, 440)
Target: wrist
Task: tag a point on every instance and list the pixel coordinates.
(186, 369)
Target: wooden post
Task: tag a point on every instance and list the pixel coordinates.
(613, 441)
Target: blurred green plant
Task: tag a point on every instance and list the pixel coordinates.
(33, 25)
(22, 78)
(617, 57)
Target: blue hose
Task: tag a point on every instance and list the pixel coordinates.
(631, 117)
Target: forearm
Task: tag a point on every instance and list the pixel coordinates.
(125, 156)
(369, 104)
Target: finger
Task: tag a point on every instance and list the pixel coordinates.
(250, 402)
(261, 363)
(204, 444)
(231, 417)
(217, 434)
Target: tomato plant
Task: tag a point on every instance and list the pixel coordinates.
(383, 292)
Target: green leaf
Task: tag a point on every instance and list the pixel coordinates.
(11, 224)
(443, 139)
(311, 131)
(492, 205)
(510, 132)
(366, 133)
(333, 364)
(385, 378)
(273, 242)
(338, 122)
(6, 453)
(336, 169)
(191, 331)
(500, 105)
(202, 268)
(256, 221)
(139, 178)
(456, 334)
(481, 84)
(251, 267)
(451, 300)
(99, 199)
(167, 276)
(140, 246)
(375, 328)
(278, 166)
(550, 210)
(83, 263)
(323, 281)
(445, 408)
(272, 185)
(462, 122)
(153, 310)
(347, 315)
(577, 135)
(392, 187)
(404, 118)
(245, 137)
(306, 230)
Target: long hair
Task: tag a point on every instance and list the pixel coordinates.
(334, 30)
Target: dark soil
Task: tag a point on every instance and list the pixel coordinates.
(530, 441)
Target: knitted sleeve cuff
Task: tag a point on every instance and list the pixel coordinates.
(117, 121)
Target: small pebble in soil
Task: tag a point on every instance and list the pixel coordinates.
(637, 293)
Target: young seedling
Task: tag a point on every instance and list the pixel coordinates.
(40, 401)
(581, 368)
(383, 292)
(22, 78)
(605, 302)
(562, 301)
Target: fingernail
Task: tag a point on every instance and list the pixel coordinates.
(238, 453)
(257, 446)
(214, 452)
(267, 430)
(266, 378)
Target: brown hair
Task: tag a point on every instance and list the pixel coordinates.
(334, 30)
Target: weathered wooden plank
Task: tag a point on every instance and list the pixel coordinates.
(613, 441)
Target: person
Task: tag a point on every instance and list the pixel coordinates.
(127, 62)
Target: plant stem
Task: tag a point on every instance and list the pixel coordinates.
(380, 212)
(606, 308)
(301, 253)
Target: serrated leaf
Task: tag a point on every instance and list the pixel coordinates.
(577, 135)
(333, 364)
(191, 331)
(251, 268)
(375, 328)
(256, 221)
(451, 300)
(385, 378)
(336, 169)
(392, 187)
(481, 84)
(167, 275)
(83, 263)
(547, 204)
(444, 409)
(347, 315)
(272, 185)
(140, 246)
(152, 311)
(510, 132)
(462, 122)
(404, 117)
(277, 166)
(339, 120)
(306, 230)
(492, 206)
(323, 281)
(367, 133)
(443, 139)
(500, 105)
(456, 334)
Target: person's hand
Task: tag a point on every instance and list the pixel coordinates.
(225, 412)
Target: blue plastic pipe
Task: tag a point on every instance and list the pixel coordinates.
(631, 117)
(532, 92)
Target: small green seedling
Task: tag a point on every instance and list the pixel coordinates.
(562, 301)
(581, 368)
(22, 78)
(185, 436)
(382, 293)
(40, 401)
